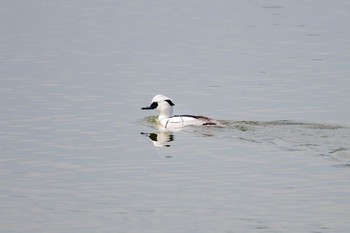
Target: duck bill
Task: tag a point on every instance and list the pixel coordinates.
(147, 108)
(154, 105)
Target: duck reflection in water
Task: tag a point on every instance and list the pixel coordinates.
(160, 139)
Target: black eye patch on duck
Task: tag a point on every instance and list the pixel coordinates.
(170, 103)
(154, 105)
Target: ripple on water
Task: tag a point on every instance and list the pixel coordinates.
(319, 139)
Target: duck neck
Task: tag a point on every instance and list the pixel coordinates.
(165, 114)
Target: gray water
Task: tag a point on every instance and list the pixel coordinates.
(76, 150)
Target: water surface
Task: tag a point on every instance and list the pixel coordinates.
(74, 74)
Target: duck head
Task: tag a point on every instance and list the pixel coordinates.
(163, 105)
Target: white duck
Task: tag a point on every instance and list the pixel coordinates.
(164, 106)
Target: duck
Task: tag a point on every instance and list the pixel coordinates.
(165, 106)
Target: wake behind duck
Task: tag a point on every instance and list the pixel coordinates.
(166, 119)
